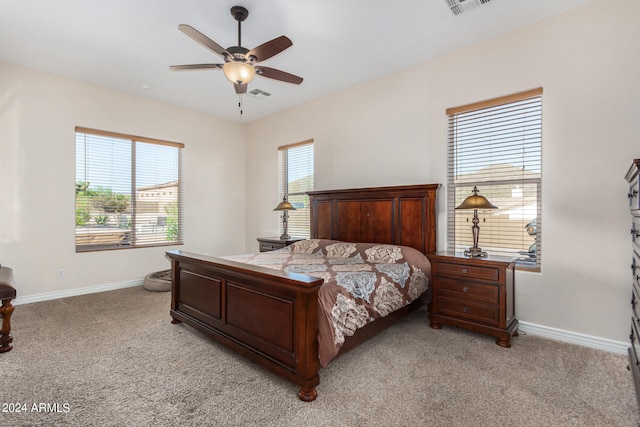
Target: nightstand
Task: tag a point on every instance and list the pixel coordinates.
(474, 293)
(273, 243)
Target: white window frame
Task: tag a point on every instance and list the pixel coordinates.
(293, 160)
(127, 168)
(483, 139)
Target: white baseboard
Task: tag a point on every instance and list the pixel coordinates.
(605, 344)
(75, 292)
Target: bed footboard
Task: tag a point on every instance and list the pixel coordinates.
(269, 316)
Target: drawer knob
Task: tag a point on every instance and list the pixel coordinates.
(635, 233)
(465, 309)
(464, 270)
(632, 194)
(465, 289)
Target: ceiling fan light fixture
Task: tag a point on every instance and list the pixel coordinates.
(239, 61)
(239, 72)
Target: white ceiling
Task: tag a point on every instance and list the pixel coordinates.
(128, 45)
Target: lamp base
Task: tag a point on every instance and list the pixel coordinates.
(475, 252)
(285, 237)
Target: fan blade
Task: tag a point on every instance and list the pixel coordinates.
(269, 49)
(204, 40)
(240, 89)
(272, 73)
(194, 67)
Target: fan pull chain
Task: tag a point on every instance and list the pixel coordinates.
(240, 104)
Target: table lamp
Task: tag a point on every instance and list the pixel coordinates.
(285, 207)
(475, 202)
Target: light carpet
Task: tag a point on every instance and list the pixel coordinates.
(115, 359)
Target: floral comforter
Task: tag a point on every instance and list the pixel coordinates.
(362, 282)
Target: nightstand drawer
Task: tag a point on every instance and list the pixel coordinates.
(266, 247)
(469, 310)
(473, 272)
(465, 290)
(267, 244)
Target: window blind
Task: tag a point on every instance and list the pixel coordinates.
(295, 179)
(496, 146)
(128, 191)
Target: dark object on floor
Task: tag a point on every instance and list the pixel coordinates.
(7, 294)
(160, 281)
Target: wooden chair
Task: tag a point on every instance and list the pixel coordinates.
(7, 294)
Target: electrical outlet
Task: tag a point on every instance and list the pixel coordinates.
(61, 273)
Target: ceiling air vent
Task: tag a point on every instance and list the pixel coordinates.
(257, 93)
(459, 6)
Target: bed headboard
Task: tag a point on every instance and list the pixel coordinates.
(402, 215)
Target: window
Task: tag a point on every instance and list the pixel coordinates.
(296, 178)
(496, 146)
(128, 191)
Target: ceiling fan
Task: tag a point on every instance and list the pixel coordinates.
(241, 64)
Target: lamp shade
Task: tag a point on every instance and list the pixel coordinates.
(239, 72)
(476, 201)
(284, 205)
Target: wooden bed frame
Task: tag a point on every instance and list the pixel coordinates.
(271, 317)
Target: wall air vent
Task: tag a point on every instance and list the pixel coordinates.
(459, 6)
(257, 93)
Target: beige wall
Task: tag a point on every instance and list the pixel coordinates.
(38, 114)
(392, 131)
